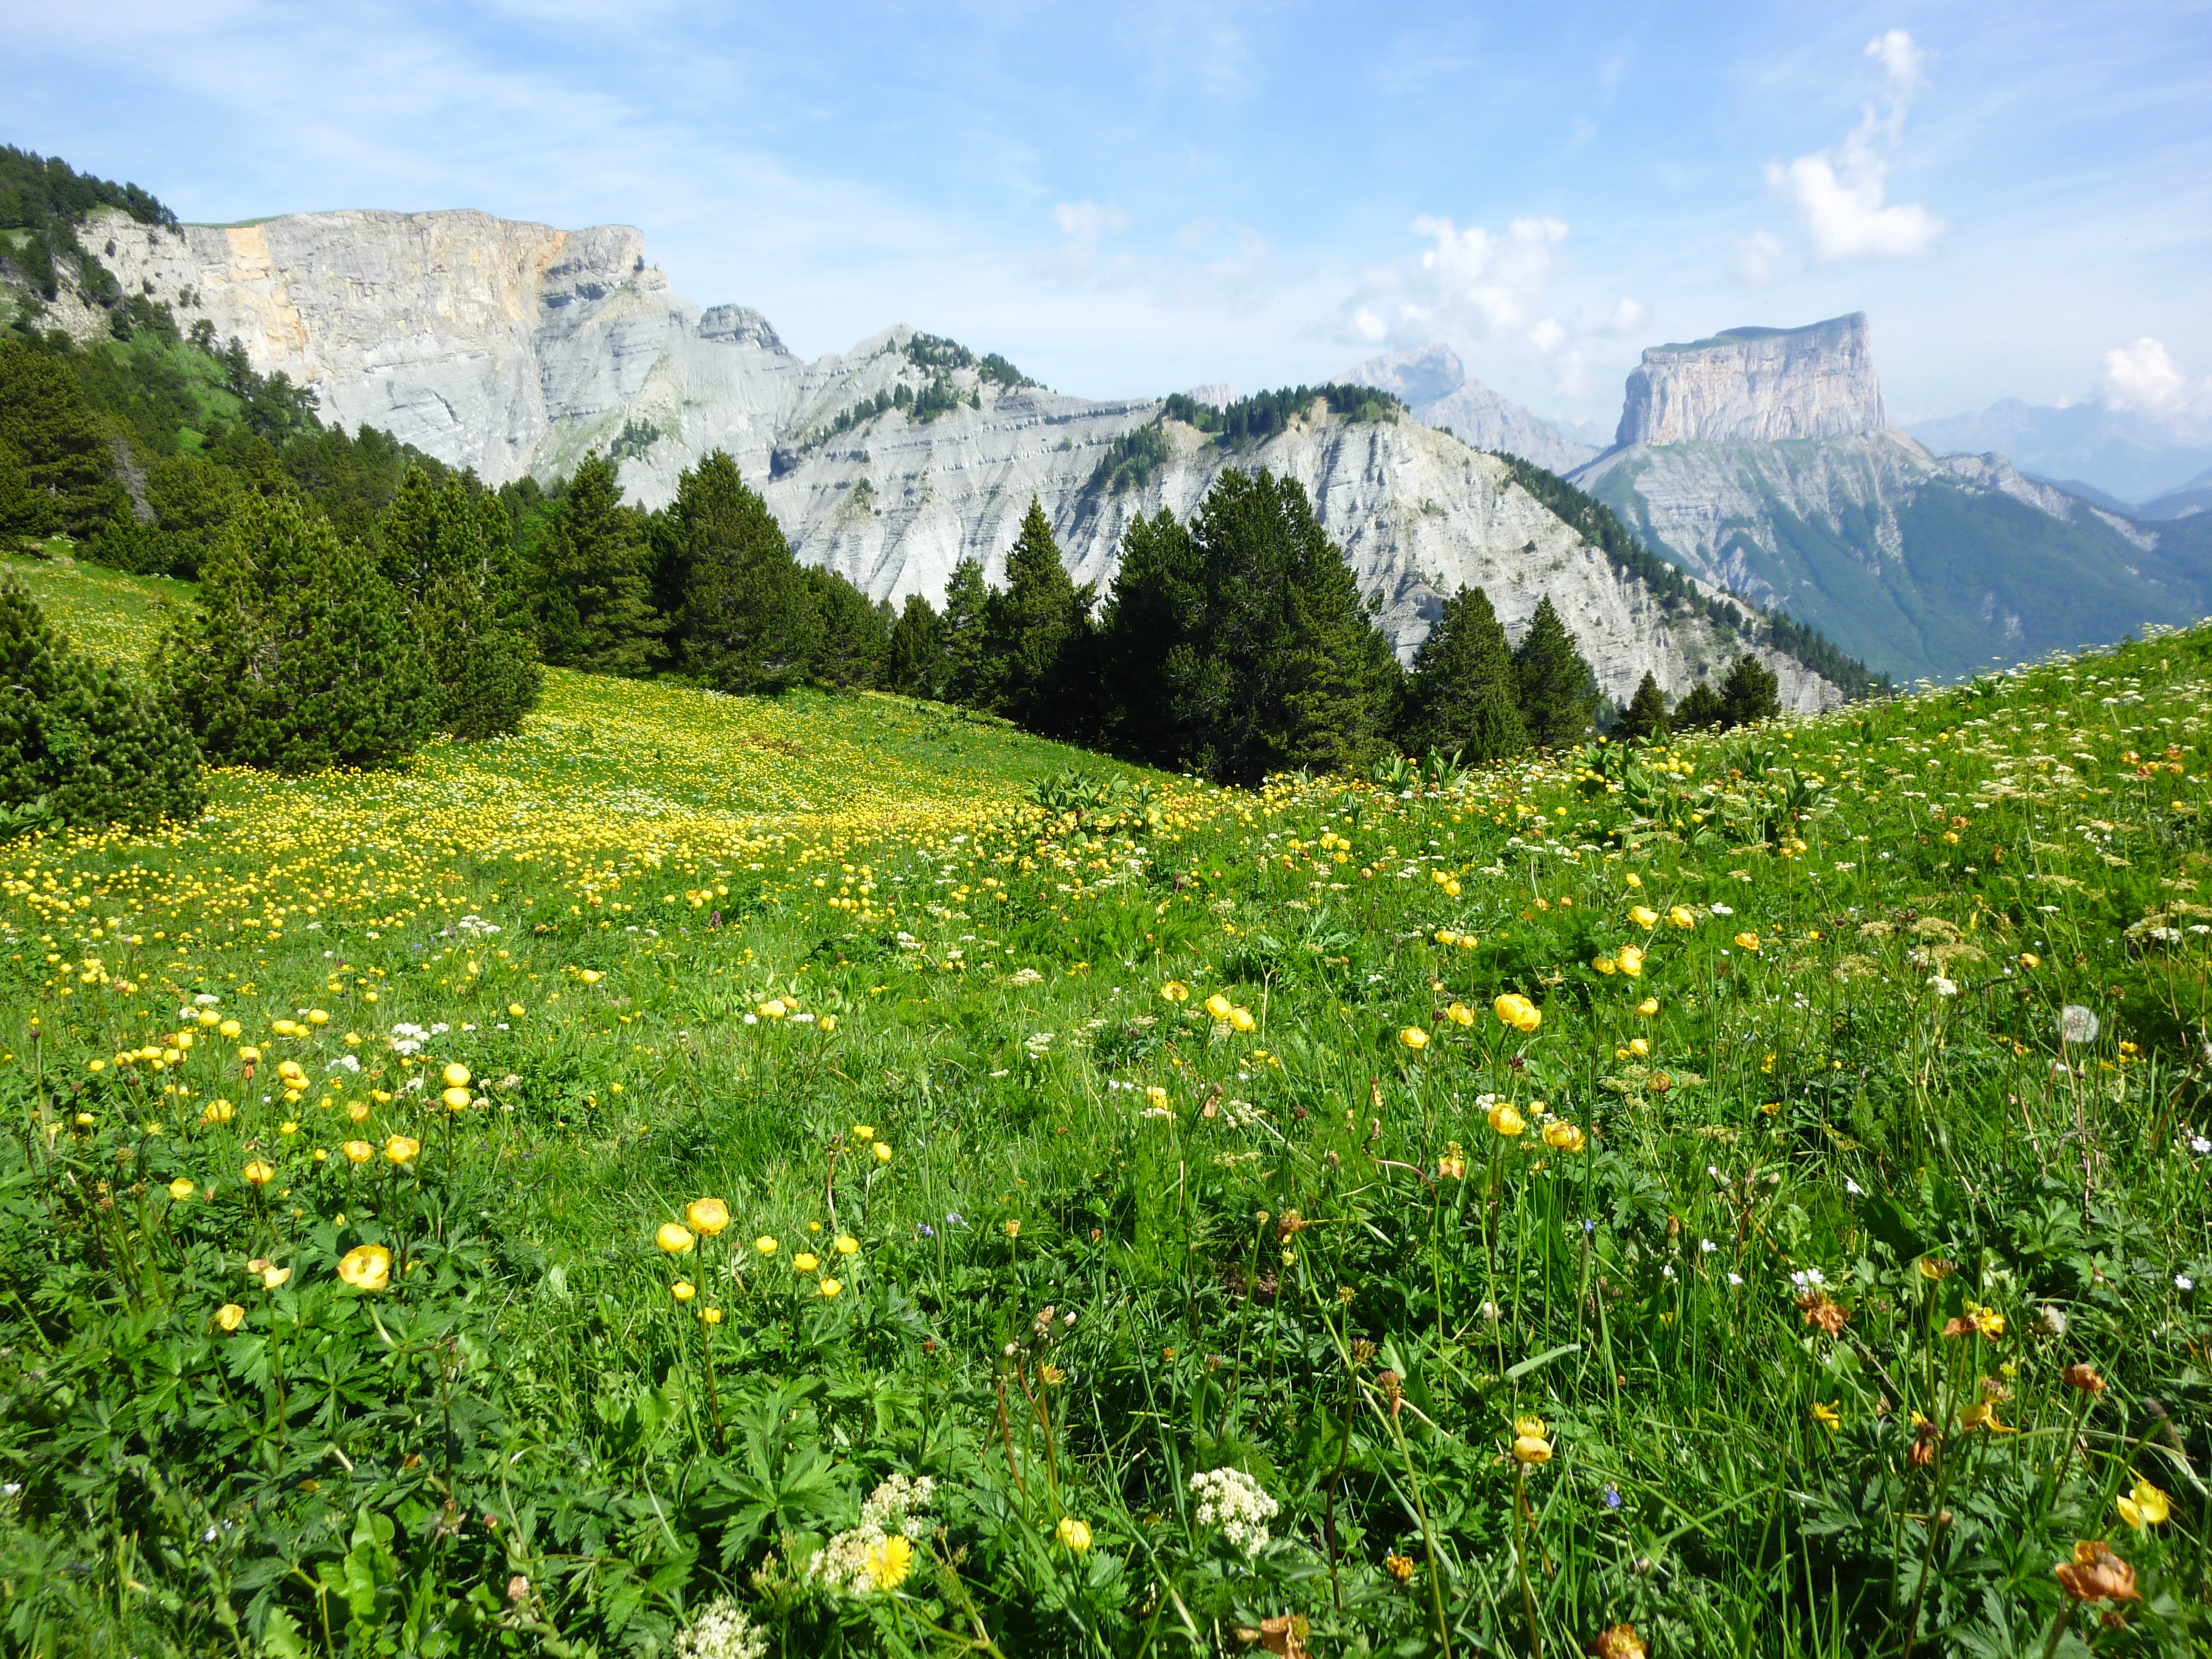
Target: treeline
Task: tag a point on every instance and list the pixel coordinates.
(42, 199)
(1598, 525)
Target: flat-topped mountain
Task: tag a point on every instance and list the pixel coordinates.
(1756, 384)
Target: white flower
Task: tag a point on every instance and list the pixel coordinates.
(2199, 1144)
(439, 1029)
(2052, 1318)
(1706, 1246)
(1723, 910)
(2076, 1025)
(1231, 1500)
(722, 1631)
(345, 1063)
(1810, 1280)
(1944, 987)
(2183, 1282)
(1853, 1188)
(1735, 1278)
(206, 1000)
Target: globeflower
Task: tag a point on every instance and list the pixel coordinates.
(1218, 1006)
(2095, 1574)
(1505, 1121)
(1074, 1533)
(1631, 960)
(1414, 1038)
(181, 1189)
(848, 1245)
(706, 1215)
(457, 1076)
(1564, 1137)
(1516, 1010)
(259, 1174)
(1531, 1441)
(804, 1262)
(229, 1316)
(674, 1238)
(683, 1290)
(2147, 1506)
(765, 1244)
(883, 1152)
(1643, 916)
(358, 1152)
(1460, 1014)
(1175, 991)
(1680, 916)
(1606, 965)
(827, 1288)
(402, 1149)
(365, 1266)
(1648, 1007)
(1747, 941)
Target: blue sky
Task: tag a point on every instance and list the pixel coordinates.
(1135, 198)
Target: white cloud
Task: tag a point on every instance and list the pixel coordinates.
(1081, 255)
(1755, 255)
(1474, 282)
(1840, 195)
(2145, 376)
(1626, 317)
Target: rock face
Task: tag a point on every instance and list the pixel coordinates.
(1756, 384)
(515, 348)
(1432, 382)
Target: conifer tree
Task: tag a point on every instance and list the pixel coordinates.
(746, 621)
(853, 638)
(596, 580)
(440, 552)
(1238, 644)
(1034, 630)
(1751, 692)
(80, 741)
(1700, 711)
(1462, 696)
(966, 679)
(916, 664)
(1646, 716)
(67, 455)
(1557, 691)
(298, 655)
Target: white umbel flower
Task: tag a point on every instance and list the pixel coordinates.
(1232, 1500)
(723, 1631)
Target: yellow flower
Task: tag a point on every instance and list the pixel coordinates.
(249, 1055)
(772, 1009)
(516, 1011)
(712, 1315)
(1075, 1534)
(275, 1278)
(674, 1238)
(1451, 1166)
(230, 1316)
(289, 1127)
(1606, 965)
(706, 1215)
(1644, 915)
(259, 1174)
(1633, 880)
(218, 1111)
(1460, 1014)
(1631, 960)
(365, 1266)
(1013, 1230)
(230, 1028)
(863, 1132)
(318, 1017)
(401, 1149)
(1175, 991)
(590, 976)
(683, 1290)
(1531, 1449)
(1506, 1121)
(1218, 1006)
(181, 1189)
(1564, 1137)
(828, 1288)
(357, 1110)
(1680, 916)
(1747, 941)
(457, 1100)
(1516, 1010)
(883, 1153)
(2146, 1507)
(1414, 1038)
(765, 1244)
(848, 1245)
(1827, 1416)
(888, 1562)
(95, 1065)
(1241, 1020)
(358, 1152)
(1648, 1007)
(824, 1024)
(2029, 959)
(804, 1262)
(1639, 1047)
(457, 1076)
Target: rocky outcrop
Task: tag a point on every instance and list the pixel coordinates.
(1432, 382)
(515, 348)
(1756, 384)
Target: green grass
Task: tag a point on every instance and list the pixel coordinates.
(822, 960)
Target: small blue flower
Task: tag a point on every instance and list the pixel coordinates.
(1613, 1498)
(925, 1229)
(1589, 1226)
(952, 1219)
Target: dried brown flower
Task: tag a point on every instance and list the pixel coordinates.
(1617, 1641)
(2085, 1377)
(2095, 1574)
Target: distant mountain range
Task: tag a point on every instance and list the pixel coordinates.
(2143, 462)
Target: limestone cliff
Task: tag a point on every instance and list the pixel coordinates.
(1756, 384)
(515, 348)
(1432, 382)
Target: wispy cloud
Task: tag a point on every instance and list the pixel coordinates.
(2145, 376)
(1840, 195)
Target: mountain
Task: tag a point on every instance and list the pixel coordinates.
(2193, 497)
(1433, 384)
(515, 348)
(1761, 461)
(2127, 453)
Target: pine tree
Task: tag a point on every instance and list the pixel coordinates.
(1035, 629)
(966, 676)
(596, 580)
(1647, 713)
(440, 551)
(853, 638)
(1700, 711)
(80, 741)
(1751, 692)
(916, 664)
(299, 654)
(1238, 644)
(1462, 696)
(746, 621)
(66, 453)
(1557, 691)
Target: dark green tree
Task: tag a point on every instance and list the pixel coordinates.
(1238, 645)
(746, 620)
(1699, 711)
(1751, 692)
(1558, 693)
(80, 741)
(298, 655)
(966, 678)
(1646, 715)
(854, 639)
(1034, 633)
(440, 551)
(66, 453)
(1462, 696)
(595, 579)
(916, 661)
